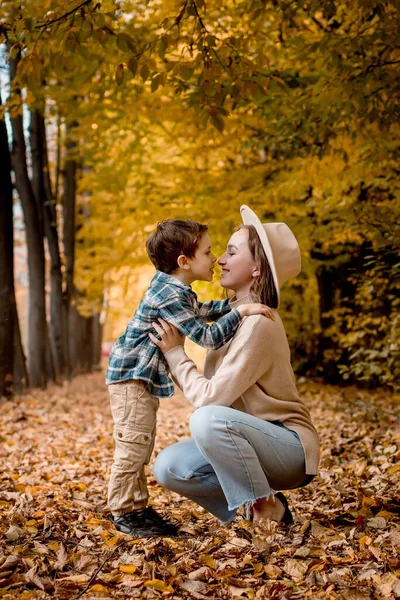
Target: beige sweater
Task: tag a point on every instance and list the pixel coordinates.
(251, 373)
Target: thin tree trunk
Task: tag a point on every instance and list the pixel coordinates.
(97, 338)
(20, 372)
(40, 168)
(7, 294)
(58, 161)
(36, 266)
(69, 207)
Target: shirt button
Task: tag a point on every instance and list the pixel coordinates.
(120, 435)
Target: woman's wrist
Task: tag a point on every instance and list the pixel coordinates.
(174, 355)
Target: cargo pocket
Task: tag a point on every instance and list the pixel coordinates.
(133, 447)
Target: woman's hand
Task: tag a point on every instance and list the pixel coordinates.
(170, 336)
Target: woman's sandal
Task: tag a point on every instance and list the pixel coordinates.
(287, 518)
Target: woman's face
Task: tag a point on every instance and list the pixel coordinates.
(238, 266)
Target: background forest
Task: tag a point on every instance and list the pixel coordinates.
(116, 115)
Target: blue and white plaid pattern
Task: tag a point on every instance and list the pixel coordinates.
(135, 356)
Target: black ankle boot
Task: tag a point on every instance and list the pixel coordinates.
(287, 518)
(144, 523)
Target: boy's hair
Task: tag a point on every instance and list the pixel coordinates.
(172, 238)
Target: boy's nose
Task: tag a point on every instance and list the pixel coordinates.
(214, 258)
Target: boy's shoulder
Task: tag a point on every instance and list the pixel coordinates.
(164, 291)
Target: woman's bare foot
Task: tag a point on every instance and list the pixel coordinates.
(268, 509)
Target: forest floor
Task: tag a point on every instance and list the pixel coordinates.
(56, 541)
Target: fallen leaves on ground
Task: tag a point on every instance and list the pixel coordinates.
(57, 542)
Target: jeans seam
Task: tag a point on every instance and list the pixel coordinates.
(298, 442)
(192, 473)
(242, 459)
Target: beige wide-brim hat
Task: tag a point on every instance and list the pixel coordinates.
(280, 247)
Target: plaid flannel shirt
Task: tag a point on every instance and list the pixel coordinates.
(135, 356)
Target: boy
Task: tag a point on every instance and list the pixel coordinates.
(138, 375)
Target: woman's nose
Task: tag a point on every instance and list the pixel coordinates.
(221, 260)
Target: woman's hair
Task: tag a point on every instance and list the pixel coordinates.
(263, 287)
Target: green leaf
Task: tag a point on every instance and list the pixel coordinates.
(83, 51)
(86, 30)
(218, 122)
(163, 46)
(30, 24)
(144, 72)
(155, 82)
(126, 43)
(132, 65)
(122, 45)
(119, 74)
(100, 20)
(185, 72)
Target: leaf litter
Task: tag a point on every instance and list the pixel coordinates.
(56, 540)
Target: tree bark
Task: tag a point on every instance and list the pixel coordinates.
(43, 191)
(7, 294)
(69, 207)
(97, 338)
(36, 265)
(20, 372)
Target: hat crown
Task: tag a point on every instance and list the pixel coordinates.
(285, 250)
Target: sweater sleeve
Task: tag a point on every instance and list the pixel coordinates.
(247, 359)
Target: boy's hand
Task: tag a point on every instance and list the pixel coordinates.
(246, 310)
(170, 336)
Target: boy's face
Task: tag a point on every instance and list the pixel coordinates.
(202, 264)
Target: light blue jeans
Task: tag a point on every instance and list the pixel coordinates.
(233, 458)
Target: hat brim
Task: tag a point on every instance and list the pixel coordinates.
(249, 217)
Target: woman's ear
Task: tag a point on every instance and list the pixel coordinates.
(255, 272)
(183, 262)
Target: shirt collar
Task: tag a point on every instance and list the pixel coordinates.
(162, 277)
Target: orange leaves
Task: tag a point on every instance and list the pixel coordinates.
(130, 569)
(56, 539)
(159, 585)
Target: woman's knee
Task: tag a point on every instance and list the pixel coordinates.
(174, 463)
(206, 421)
(162, 467)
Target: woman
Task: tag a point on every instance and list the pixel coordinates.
(251, 434)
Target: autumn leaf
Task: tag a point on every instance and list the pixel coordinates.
(119, 74)
(159, 585)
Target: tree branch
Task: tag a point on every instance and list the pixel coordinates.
(71, 12)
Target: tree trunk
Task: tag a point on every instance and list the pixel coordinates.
(20, 373)
(36, 266)
(7, 295)
(43, 192)
(97, 338)
(69, 207)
